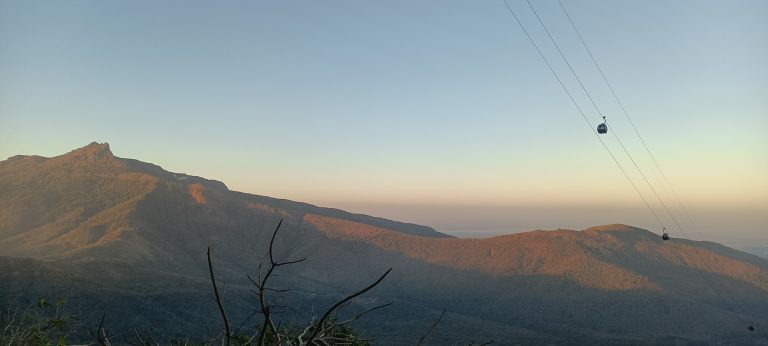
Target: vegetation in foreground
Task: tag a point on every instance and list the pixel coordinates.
(52, 325)
(48, 324)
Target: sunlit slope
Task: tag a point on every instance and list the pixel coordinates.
(613, 257)
(106, 228)
(90, 202)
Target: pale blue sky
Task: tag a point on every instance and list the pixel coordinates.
(414, 110)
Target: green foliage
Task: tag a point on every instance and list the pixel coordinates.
(46, 325)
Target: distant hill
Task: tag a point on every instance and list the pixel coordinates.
(128, 238)
(758, 250)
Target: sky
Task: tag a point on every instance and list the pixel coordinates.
(433, 112)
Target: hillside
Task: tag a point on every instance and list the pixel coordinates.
(109, 231)
(89, 202)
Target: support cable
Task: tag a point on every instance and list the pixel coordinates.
(581, 112)
(637, 132)
(594, 104)
(626, 114)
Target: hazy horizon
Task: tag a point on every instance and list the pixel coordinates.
(467, 221)
(437, 113)
(487, 220)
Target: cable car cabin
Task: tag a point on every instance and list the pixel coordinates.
(602, 128)
(665, 236)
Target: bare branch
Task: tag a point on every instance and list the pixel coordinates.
(474, 343)
(151, 339)
(304, 332)
(272, 242)
(254, 282)
(289, 262)
(144, 338)
(339, 303)
(218, 300)
(424, 337)
(271, 253)
(277, 290)
(101, 333)
(261, 285)
(265, 307)
(363, 313)
(246, 321)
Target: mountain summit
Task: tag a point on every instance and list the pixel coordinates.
(91, 152)
(103, 226)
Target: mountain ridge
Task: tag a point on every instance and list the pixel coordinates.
(132, 190)
(97, 219)
(104, 193)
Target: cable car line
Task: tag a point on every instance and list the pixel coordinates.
(624, 110)
(594, 104)
(665, 235)
(640, 137)
(583, 88)
(581, 112)
(602, 128)
(589, 124)
(637, 132)
(650, 186)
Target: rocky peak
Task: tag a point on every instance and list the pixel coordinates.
(94, 152)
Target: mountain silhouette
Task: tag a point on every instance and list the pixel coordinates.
(129, 238)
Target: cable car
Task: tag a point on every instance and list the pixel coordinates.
(602, 128)
(665, 236)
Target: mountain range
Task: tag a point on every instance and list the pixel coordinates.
(128, 239)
